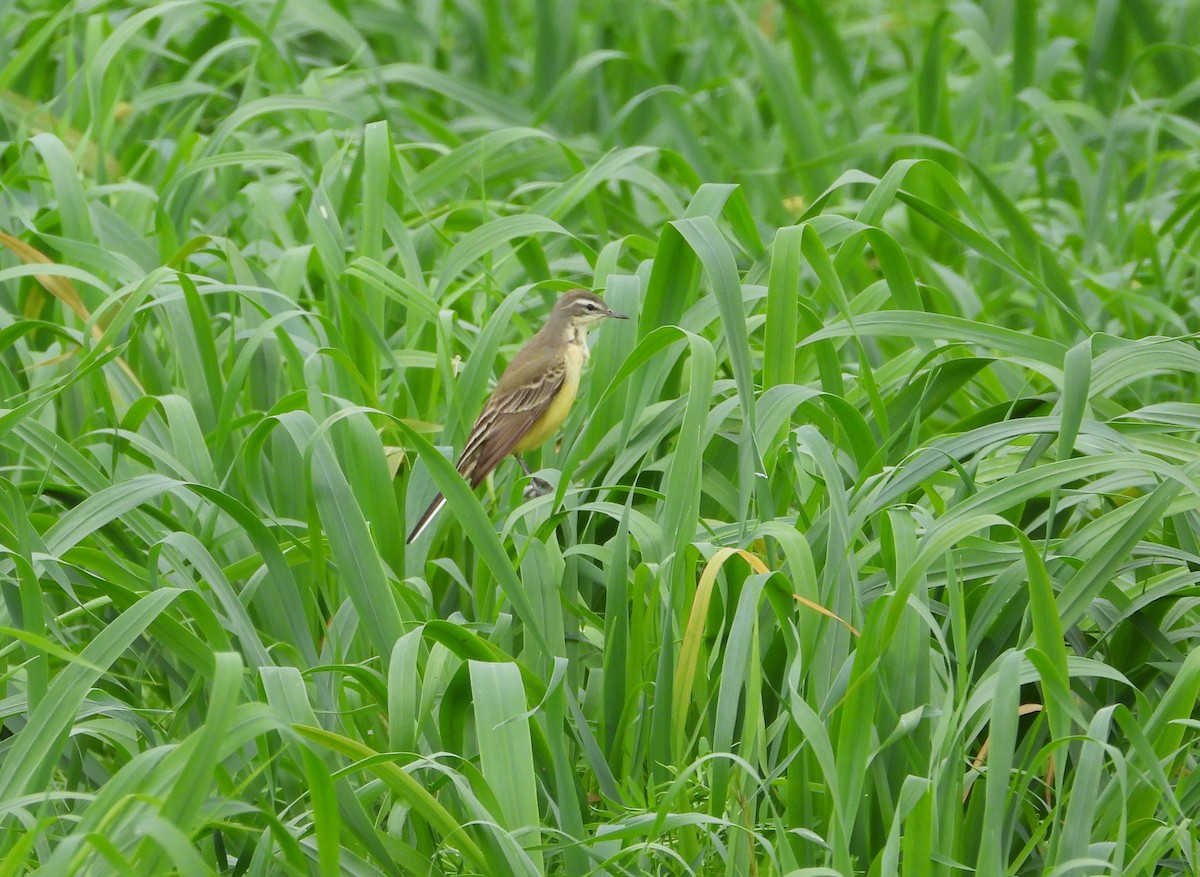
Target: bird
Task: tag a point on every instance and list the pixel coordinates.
(532, 397)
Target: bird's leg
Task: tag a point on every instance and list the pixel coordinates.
(537, 486)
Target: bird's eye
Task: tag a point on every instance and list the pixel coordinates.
(590, 306)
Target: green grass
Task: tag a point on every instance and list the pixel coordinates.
(874, 545)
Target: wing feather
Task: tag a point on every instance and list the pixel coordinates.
(506, 418)
(504, 422)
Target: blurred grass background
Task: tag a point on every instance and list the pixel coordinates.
(873, 549)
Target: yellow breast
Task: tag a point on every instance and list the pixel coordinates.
(561, 406)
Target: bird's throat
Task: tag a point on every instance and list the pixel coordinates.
(577, 338)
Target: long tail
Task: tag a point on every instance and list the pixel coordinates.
(427, 518)
(479, 457)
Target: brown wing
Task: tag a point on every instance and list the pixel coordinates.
(505, 420)
(506, 417)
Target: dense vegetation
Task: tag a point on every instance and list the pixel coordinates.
(874, 546)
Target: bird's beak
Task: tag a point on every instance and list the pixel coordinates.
(615, 315)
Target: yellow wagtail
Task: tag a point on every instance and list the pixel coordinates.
(534, 394)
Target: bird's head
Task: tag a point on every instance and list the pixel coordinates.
(584, 308)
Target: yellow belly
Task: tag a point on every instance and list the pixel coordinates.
(559, 408)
